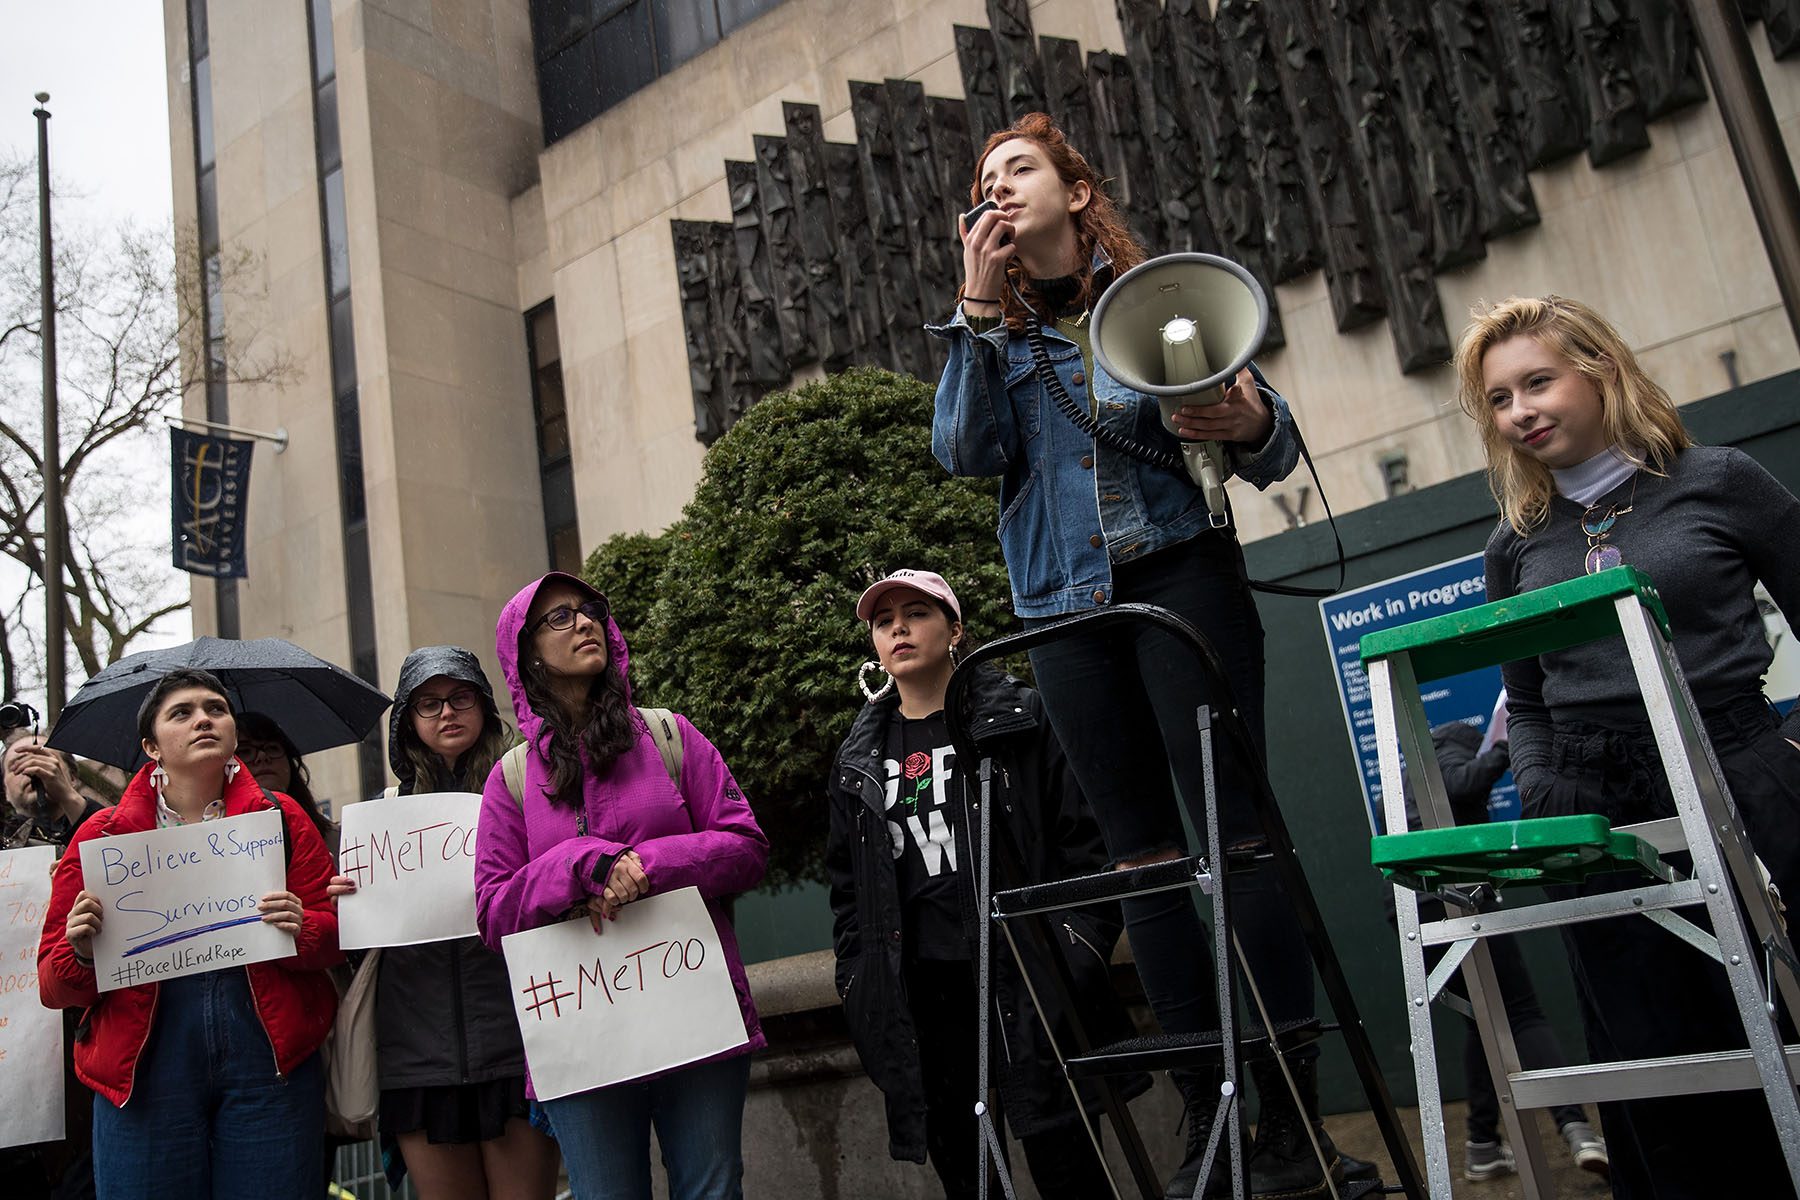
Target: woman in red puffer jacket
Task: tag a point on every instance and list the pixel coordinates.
(205, 1085)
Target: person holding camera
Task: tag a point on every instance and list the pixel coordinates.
(1086, 523)
(44, 807)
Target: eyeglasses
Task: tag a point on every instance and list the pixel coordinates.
(255, 752)
(1602, 555)
(462, 700)
(562, 616)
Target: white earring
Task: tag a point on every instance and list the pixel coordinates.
(863, 682)
(231, 770)
(159, 778)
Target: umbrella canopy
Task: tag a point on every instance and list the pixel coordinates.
(316, 703)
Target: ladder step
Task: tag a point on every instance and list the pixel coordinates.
(1165, 1051)
(1677, 1075)
(1101, 887)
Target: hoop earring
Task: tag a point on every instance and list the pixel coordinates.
(955, 654)
(862, 682)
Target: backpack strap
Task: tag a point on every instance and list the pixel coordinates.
(663, 731)
(512, 767)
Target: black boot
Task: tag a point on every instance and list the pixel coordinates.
(1283, 1163)
(1200, 1091)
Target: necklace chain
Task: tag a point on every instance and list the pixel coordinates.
(1603, 555)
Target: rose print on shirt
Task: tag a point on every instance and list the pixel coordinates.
(917, 813)
(917, 772)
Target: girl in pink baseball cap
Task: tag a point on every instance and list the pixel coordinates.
(898, 857)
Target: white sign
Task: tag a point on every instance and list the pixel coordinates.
(31, 1036)
(413, 859)
(182, 901)
(649, 992)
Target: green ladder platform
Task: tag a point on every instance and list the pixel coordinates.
(1441, 861)
(1547, 850)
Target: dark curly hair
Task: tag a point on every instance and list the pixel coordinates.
(604, 726)
(257, 727)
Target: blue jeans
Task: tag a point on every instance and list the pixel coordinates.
(699, 1117)
(209, 1115)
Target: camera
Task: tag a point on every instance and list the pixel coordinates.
(17, 714)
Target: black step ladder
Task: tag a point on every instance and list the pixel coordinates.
(1022, 907)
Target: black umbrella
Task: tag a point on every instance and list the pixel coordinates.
(317, 704)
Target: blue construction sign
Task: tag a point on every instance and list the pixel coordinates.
(1429, 592)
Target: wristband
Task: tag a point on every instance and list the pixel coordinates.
(979, 300)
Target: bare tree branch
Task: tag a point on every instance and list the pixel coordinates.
(131, 339)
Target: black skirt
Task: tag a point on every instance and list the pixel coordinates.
(457, 1114)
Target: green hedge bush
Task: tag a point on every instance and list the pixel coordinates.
(742, 616)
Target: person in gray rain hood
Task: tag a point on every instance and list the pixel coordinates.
(452, 1065)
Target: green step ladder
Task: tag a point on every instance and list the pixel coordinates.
(1439, 860)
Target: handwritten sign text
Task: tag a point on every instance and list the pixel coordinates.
(182, 901)
(650, 992)
(31, 1036)
(413, 860)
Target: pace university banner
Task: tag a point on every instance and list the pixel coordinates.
(208, 494)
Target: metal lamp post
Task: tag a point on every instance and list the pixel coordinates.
(53, 491)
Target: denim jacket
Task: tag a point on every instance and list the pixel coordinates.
(1070, 509)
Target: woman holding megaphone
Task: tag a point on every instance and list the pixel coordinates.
(1085, 521)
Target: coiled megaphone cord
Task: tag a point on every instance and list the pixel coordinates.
(1114, 440)
(1082, 418)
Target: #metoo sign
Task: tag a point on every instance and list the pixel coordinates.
(649, 992)
(413, 860)
(182, 901)
(31, 1036)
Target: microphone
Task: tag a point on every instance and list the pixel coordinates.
(1184, 358)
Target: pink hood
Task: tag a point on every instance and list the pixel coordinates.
(535, 861)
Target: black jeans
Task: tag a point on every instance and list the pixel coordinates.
(942, 998)
(1537, 1042)
(1123, 705)
(1644, 992)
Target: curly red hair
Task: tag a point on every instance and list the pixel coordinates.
(1097, 226)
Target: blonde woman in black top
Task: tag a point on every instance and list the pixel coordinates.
(1592, 468)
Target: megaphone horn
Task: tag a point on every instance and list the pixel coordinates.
(1180, 328)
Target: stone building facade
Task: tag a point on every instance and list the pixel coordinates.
(465, 216)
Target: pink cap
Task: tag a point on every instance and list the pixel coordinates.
(929, 582)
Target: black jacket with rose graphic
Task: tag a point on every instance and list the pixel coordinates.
(1039, 808)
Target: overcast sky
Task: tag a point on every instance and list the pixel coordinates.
(102, 63)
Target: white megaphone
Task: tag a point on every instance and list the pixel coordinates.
(1180, 328)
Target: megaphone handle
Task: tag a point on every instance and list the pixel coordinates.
(1194, 458)
(1205, 462)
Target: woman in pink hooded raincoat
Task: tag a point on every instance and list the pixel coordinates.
(602, 824)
